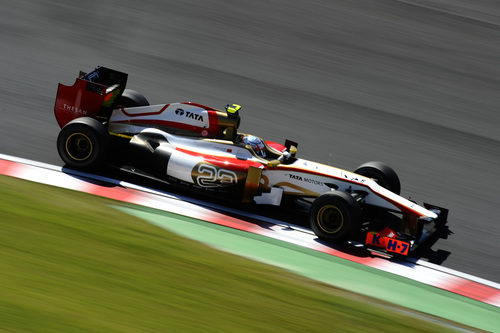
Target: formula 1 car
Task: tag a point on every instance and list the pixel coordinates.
(199, 147)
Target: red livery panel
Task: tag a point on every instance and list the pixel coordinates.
(83, 99)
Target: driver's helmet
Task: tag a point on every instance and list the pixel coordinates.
(256, 144)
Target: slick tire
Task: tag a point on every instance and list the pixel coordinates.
(83, 144)
(383, 174)
(131, 98)
(335, 216)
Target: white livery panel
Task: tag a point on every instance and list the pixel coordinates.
(179, 115)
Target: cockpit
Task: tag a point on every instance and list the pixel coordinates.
(258, 147)
(264, 151)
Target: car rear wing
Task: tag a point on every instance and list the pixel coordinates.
(92, 95)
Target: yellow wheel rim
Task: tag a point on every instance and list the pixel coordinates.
(330, 219)
(79, 146)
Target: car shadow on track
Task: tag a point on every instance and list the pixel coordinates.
(426, 252)
(289, 212)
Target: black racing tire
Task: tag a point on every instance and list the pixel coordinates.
(383, 174)
(83, 144)
(335, 216)
(131, 98)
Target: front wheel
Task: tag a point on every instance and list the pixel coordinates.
(82, 143)
(383, 174)
(335, 216)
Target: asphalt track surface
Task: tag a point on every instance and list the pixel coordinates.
(412, 83)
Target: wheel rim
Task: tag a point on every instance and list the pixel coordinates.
(79, 146)
(330, 219)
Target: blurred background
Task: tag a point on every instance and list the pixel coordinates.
(413, 83)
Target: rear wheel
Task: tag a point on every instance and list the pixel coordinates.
(82, 143)
(383, 174)
(335, 216)
(131, 98)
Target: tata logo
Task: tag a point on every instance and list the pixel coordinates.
(189, 114)
(194, 116)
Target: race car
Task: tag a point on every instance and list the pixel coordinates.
(198, 147)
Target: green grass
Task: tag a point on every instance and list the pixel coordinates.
(70, 263)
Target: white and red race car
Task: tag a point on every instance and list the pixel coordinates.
(199, 147)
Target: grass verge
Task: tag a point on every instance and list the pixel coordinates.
(69, 263)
